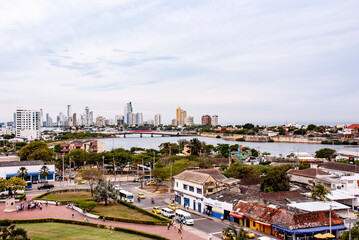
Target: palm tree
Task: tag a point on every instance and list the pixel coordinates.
(234, 234)
(196, 146)
(319, 191)
(8, 231)
(22, 172)
(44, 171)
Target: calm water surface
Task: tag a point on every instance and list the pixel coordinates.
(274, 148)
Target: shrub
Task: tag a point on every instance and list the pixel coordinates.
(87, 205)
(240, 140)
(218, 136)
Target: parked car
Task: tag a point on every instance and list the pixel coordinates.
(173, 206)
(156, 210)
(151, 183)
(249, 234)
(118, 187)
(45, 186)
(141, 195)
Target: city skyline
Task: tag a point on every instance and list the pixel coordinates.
(266, 62)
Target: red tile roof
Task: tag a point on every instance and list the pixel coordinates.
(285, 218)
(354, 126)
(345, 167)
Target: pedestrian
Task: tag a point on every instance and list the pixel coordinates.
(210, 236)
(57, 203)
(222, 218)
(40, 206)
(73, 215)
(168, 226)
(46, 203)
(179, 229)
(104, 218)
(180, 238)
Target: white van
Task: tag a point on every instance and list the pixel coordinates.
(185, 216)
(166, 212)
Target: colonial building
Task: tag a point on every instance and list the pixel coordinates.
(191, 187)
(86, 145)
(284, 223)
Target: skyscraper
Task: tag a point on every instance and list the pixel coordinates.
(180, 116)
(206, 120)
(214, 120)
(28, 124)
(188, 121)
(87, 116)
(74, 119)
(138, 119)
(69, 115)
(158, 119)
(128, 109)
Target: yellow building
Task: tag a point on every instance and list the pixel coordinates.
(181, 115)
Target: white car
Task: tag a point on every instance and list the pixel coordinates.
(118, 187)
(7, 192)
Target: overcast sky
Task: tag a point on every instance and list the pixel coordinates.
(265, 62)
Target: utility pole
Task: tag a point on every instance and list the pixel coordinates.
(142, 178)
(114, 170)
(330, 219)
(68, 179)
(63, 170)
(103, 165)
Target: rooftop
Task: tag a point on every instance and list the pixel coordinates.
(345, 167)
(21, 163)
(309, 172)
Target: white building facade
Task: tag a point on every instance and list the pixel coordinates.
(28, 124)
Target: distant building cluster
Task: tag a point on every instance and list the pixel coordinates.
(183, 120)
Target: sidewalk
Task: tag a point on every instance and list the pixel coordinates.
(62, 212)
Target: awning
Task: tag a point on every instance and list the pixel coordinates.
(310, 230)
(236, 215)
(264, 224)
(28, 174)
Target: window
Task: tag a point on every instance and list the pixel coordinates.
(184, 186)
(199, 191)
(191, 188)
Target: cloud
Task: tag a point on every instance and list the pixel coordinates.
(264, 61)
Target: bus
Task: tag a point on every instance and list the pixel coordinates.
(126, 196)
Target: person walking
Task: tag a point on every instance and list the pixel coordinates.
(104, 218)
(179, 229)
(168, 226)
(73, 215)
(210, 236)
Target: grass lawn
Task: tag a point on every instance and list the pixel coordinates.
(44, 231)
(119, 210)
(68, 196)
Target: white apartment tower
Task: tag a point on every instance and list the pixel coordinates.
(28, 123)
(214, 120)
(158, 119)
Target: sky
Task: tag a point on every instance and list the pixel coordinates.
(260, 61)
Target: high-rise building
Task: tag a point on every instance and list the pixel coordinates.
(206, 120)
(214, 120)
(138, 119)
(180, 116)
(28, 124)
(188, 121)
(74, 119)
(91, 119)
(69, 116)
(41, 118)
(158, 119)
(87, 116)
(128, 110)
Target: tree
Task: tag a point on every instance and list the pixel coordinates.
(304, 165)
(36, 151)
(77, 156)
(22, 172)
(16, 184)
(237, 170)
(320, 192)
(57, 148)
(327, 153)
(169, 148)
(311, 127)
(354, 233)
(92, 175)
(233, 234)
(105, 191)
(3, 184)
(275, 179)
(9, 231)
(44, 171)
(248, 126)
(196, 146)
(223, 149)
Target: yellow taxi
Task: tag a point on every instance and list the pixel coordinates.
(249, 234)
(228, 235)
(172, 206)
(141, 195)
(151, 183)
(156, 210)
